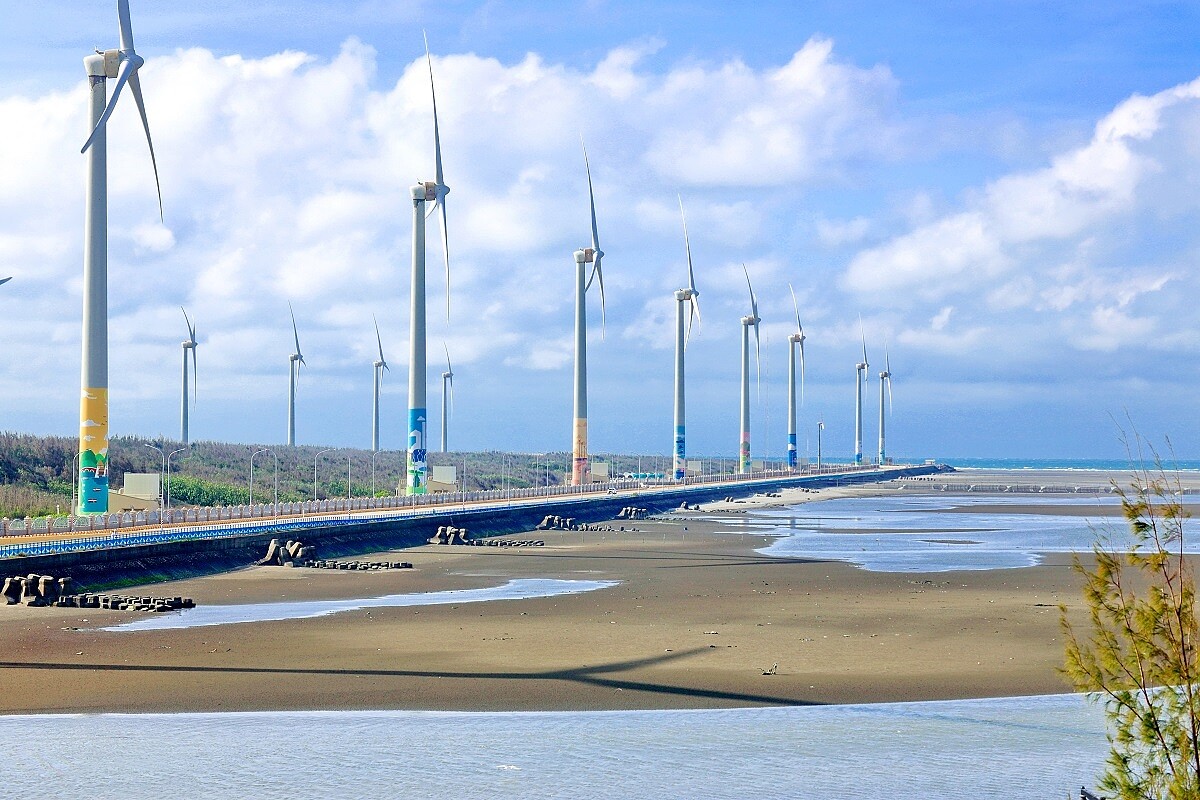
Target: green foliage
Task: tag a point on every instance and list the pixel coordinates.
(189, 491)
(1136, 653)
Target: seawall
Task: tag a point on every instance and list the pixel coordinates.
(96, 570)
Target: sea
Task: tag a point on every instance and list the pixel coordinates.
(1014, 748)
(1011, 748)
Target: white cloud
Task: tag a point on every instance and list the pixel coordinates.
(835, 233)
(1070, 250)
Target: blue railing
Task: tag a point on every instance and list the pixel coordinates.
(422, 508)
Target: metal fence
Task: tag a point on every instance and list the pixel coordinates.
(177, 525)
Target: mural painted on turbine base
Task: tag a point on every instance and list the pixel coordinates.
(744, 454)
(417, 464)
(579, 469)
(93, 450)
(791, 451)
(680, 456)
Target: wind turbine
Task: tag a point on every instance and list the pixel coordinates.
(683, 296)
(860, 380)
(123, 64)
(884, 377)
(580, 472)
(423, 193)
(748, 322)
(379, 366)
(295, 360)
(796, 338)
(447, 378)
(189, 344)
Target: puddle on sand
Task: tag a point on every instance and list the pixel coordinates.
(517, 589)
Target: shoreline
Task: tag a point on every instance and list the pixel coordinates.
(697, 621)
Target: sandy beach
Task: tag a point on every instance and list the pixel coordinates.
(696, 619)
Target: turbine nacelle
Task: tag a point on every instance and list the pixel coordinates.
(797, 338)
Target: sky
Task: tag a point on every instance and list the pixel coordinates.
(1003, 193)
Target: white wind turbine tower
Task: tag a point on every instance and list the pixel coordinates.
(683, 296)
(122, 64)
(189, 344)
(379, 366)
(295, 360)
(580, 472)
(795, 339)
(422, 194)
(860, 380)
(884, 377)
(748, 322)
(447, 380)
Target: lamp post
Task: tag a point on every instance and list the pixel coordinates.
(74, 482)
(162, 469)
(170, 455)
(347, 483)
(820, 427)
(252, 457)
(377, 452)
(315, 458)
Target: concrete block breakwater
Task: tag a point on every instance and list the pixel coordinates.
(46, 590)
(297, 554)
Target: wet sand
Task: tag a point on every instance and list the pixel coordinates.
(696, 620)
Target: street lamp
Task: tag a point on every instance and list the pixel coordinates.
(377, 452)
(162, 468)
(74, 481)
(347, 481)
(252, 457)
(171, 455)
(820, 427)
(315, 458)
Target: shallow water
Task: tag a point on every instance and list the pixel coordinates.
(921, 533)
(1012, 748)
(517, 589)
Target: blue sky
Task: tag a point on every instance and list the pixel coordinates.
(1003, 191)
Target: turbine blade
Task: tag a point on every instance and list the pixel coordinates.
(378, 340)
(757, 353)
(687, 246)
(795, 307)
(446, 253)
(801, 372)
(591, 196)
(452, 394)
(753, 299)
(191, 328)
(889, 387)
(195, 384)
(599, 273)
(123, 22)
(448, 367)
(437, 141)
(6, 280)
(295, 332)
(126, 70)
(135, 88)
(864, 340)
(887, 361)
